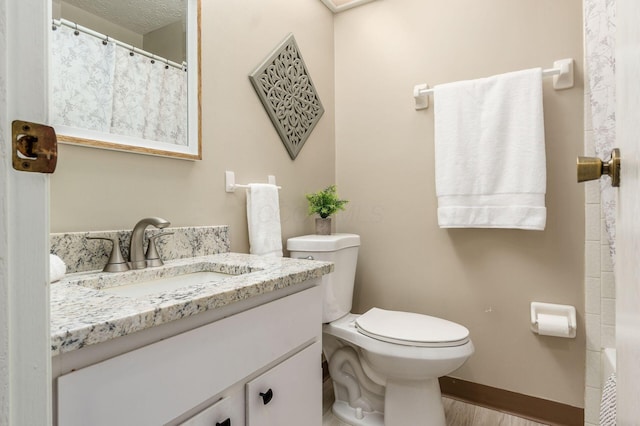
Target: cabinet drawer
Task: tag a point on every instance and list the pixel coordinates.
(229, 411)
(290, 394)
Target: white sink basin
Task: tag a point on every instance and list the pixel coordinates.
(161, 285)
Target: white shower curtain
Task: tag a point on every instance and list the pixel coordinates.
(172, 110)
(82, 72)
(105, 88)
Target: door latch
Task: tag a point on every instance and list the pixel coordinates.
(34, 147)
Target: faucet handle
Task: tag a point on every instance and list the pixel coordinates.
(116, 262)
(152, 256)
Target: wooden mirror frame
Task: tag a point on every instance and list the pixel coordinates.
(193, 150)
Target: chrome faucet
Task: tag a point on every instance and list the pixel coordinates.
(136, 253)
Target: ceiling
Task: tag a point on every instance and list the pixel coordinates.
(140, 16)
(339, 5)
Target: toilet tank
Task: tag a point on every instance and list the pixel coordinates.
(337, 287)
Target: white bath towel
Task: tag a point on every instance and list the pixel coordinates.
(263, 219)
(489, 152)
(57, 268)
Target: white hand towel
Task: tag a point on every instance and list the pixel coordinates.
(489, 152)
(263, 219)
(57, 268)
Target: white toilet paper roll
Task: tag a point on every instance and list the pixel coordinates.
(553, 325)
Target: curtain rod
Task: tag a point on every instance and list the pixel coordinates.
(106, 39)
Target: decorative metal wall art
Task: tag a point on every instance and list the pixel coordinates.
(286, 91)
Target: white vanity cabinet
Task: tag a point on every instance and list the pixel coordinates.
(211, 375)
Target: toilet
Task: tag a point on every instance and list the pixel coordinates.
(384, 364)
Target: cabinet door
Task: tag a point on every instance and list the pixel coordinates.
(290, 394)
(229, 411)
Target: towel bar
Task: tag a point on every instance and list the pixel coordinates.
(231, 185)
(562, 73)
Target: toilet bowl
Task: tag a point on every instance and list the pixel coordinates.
(384, 364)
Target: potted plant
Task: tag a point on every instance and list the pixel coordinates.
(324, 203)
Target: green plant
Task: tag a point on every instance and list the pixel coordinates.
(325, 202)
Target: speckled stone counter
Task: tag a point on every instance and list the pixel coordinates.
(83, 314)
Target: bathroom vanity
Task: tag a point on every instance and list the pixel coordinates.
(241, 348)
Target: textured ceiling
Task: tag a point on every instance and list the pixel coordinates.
(140, 16)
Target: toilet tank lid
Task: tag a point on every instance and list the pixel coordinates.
(313, 243)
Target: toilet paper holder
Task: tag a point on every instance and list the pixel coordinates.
(563, 311)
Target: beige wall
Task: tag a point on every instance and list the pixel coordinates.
(169, 41)
(97, 190)
(484, 279)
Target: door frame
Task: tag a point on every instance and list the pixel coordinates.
(25, 350)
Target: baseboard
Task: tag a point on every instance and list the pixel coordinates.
(528, 407)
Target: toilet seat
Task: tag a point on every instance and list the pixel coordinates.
(411, 329)
(446, 357)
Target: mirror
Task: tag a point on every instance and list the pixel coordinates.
(125, 75)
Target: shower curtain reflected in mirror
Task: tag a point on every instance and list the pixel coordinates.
(100, 86)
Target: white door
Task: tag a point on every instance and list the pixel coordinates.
(25, 353)
(628, 220)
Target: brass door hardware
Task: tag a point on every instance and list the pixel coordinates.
(34, 147)
(591, 168)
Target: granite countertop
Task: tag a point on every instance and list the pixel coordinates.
(82, 314)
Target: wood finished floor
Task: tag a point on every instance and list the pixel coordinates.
(460, 413)
(457, 413)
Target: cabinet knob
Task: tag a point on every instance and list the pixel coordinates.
(266, 396)
(224, 423)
